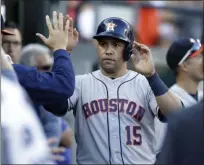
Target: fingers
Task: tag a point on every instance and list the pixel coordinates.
(135, 59)
(57, 158)
(71, 25)
(76, 34)
(57, 150)
(42, 37)
(55, 21)
(61, 21)
(67, 27)
(140, 47)
(65, 20)
(49, 24)
(52, 140)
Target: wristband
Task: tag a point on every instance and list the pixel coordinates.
(157, 85)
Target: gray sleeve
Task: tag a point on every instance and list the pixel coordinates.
(72, 101)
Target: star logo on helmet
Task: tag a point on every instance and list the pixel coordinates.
(111, 26)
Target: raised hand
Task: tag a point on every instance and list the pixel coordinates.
(142, 59)
(57, 32)
(73, 34)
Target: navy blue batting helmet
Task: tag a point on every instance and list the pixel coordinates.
(117, 28)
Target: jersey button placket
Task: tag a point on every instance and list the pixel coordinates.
(113, 125)
(117, 158)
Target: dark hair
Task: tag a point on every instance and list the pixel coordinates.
(11, 25)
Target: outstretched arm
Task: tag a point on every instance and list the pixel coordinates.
(46, 87)
(52, 86)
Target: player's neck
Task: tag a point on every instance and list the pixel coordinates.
(118, 74)
(188, 84)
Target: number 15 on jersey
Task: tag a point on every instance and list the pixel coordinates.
(133, 134)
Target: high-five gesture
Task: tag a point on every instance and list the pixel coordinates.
(73, 34)
(142, 59)
(57, 32)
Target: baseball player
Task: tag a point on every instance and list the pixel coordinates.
(185, 59)
(114, 107)
(22, 138)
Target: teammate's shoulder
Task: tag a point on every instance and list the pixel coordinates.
(173, 87)
(20, 101)
(9, 87)
(179, 91)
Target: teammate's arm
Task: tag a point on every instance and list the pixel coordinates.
(73, 100)
(165, 99)
(144, 65)
(58, 84)
(45, 87)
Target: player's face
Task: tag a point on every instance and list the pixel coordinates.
(110, 52)
(195, 67)
(12, 44)
(44, 62)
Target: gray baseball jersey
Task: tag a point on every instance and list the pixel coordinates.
(114, 119)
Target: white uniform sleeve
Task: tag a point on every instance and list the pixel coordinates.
(72, 101)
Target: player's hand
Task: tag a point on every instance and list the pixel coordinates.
(57, 32)
(5, 61)
(73, 34)
(142, 59)
(55, 151)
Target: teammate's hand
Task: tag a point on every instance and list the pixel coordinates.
(55, 151)
(73, 34)
(5, 61)
(142, 59)
(57, 32)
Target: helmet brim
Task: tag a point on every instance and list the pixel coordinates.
(112, 35)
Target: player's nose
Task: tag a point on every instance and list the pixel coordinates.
(109, 51)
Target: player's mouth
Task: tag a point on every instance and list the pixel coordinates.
(108, 59)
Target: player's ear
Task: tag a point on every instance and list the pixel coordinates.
(184, 67)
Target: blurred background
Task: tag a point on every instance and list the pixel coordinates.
(156, 23)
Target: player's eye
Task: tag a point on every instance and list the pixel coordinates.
(117, 45)
(102, 44)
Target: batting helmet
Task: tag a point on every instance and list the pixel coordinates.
(117, 28)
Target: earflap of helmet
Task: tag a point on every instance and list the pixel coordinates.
(128, 48)
(127, 51)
